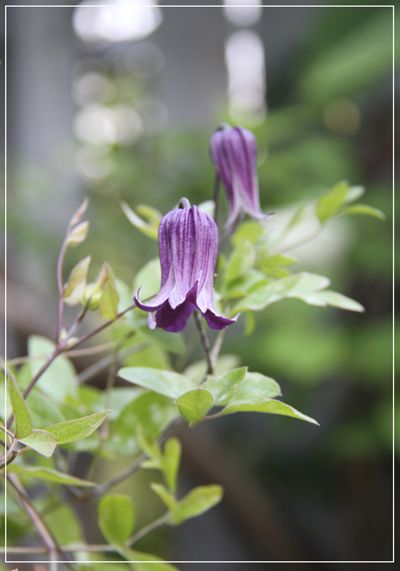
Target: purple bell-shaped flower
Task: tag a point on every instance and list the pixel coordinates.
(234, 153)
(188, 246)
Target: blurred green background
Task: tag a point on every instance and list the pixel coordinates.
(127, 115)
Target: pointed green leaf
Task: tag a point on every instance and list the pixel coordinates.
(76, 429)
(170, 462)
(109, 298)
(164, 495)
(148, 228)
(41, 441)
(364, 210)
(78, 234)
(329, 204)
(143, 561)
(165, 383)
(196, 502)
(222, 387)
(194, 405)
(48, 474)
(76, 283)
(270, 407)
(22, 416)
(334, 299)
(116, 518)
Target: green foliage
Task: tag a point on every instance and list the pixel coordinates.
(195, 503)
(72, 430)
(48, 475)
(165, 383)
(194, 405)
(22, 416)
(116, 518)
(148, 225)
(75, 286)
(41, 441)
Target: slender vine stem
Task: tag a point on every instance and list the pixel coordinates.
(148, 528)
(60, 287)
(204, 342)
(51, 545)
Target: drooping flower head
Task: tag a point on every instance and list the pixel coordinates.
(234, 153)
(188, 246)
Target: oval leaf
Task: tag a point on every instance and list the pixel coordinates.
(49, 475)
(40, 441)
(196, 502)
(23, 421)
(165, 383)
(194, 405)
(270, 407)
(116, 518)
(76, 429)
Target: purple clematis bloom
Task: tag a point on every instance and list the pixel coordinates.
(188, 245)
(234, 153)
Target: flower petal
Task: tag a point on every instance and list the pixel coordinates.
(216, 321)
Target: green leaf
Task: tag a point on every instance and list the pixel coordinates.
(248, 230)
(59, 380)
(329, 204)
(242, 258)
(364, 210)
(196, 502)
(19, 407)
(151, 411)
(295, 286)
(241, 386)
(76, 429)
(165, 383)
(78, 234)
(327, 297)
(48, 475)
(116, 518)
(194, 405)
(197, 371)
(164, 495)
(76, 283)
(41, 441)
(354, 193)
(170, 462)
(148, 279)
(109, 297)
(139, 557)
(148, 228)
(269, 406)
(64, 524)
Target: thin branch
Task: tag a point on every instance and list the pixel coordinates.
(51, 545)
(60, 287)
(148, 528)
(204, 342)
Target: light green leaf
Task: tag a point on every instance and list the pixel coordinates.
(148, 279)
(242, 258)
(249, 230)
(164, 495)
(270, 407)
(364, 210)
(109, 298)
(329, 204)
(116, 518)
(19, 407)
(335, 299)
(64, 523)
(354, 193)
(151, 411)
(148, 228)
(41, 441)
(144, 561)
(194, 405)
(170, 462)
(165, 383)
(48, 475)
(76, 429)
(242, 387)
(76, 283)
(196, 502)
(197, 371)
(78, 234)
(59, 380)
(295, 286)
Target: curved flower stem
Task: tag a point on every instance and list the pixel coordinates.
(60, 287)
(148, 528)
(204, 342)
(215, 197)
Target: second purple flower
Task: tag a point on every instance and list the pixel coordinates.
(234, 153)
(188, 246)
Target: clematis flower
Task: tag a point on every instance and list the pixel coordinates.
(234, 153)
(188, 246)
